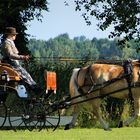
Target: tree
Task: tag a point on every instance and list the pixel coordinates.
(123, 14)
(17, 13)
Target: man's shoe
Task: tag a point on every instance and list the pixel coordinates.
(36, 89)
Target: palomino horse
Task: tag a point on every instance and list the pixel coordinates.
(106, 78)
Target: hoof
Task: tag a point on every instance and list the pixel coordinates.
(67, 127)
(107, 129)
(120, 125)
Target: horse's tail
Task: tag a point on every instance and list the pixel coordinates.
(73, 85)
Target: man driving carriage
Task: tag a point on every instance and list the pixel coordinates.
(11, 56)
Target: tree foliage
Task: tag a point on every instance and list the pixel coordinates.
(123, 14)
(17, 13)
(82, 48)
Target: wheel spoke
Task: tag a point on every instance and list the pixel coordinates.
(52, 118)
(37, 119)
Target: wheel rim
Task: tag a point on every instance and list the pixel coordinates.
(16, 113)
(3, 114)
(52, 119)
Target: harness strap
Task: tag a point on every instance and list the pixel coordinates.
(87, 75)
(79, 88)
(128, 70)
(91, 79)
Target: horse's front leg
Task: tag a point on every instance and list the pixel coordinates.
(136, 112)
(74, 118)
(129, 121)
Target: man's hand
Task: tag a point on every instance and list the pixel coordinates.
(25, 57)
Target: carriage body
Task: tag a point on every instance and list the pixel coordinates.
(26, 108)
(10, 80)
(13, 75)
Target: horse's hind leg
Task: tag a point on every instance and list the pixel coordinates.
(74, 118)
(97, 113)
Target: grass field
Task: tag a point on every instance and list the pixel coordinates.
(126, 133)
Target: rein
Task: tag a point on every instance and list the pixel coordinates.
(67, 102)
(127, 75)
(104, 84)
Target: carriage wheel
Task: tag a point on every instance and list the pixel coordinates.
(16, 115)
(35, 117)
(3, 114)
(52, 118)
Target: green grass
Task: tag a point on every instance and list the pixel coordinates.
(126, 133)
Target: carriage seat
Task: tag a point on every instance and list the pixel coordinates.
(13, 74)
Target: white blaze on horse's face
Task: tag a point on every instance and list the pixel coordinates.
(98, 74)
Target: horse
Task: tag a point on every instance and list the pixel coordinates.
(122, 80)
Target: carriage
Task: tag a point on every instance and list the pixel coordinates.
(88, 85)
(21, 107)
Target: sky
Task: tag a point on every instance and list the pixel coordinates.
(63, 19)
